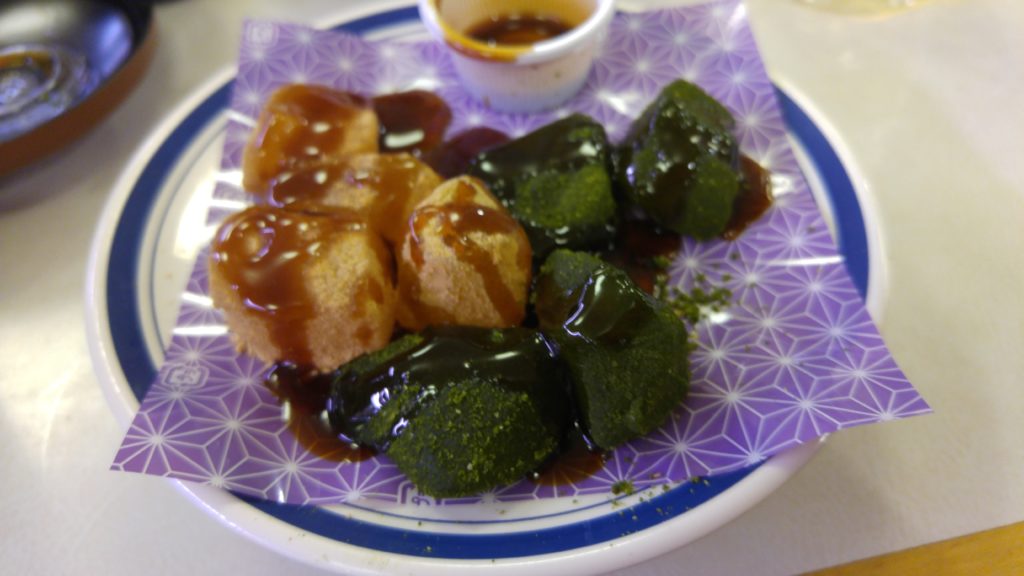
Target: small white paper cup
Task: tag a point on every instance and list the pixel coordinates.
(520, 78)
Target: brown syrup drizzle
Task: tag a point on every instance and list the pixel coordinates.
(263, 252)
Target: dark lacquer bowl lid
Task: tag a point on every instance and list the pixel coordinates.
(64, 66)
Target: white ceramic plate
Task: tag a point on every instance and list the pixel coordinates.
(144, 250)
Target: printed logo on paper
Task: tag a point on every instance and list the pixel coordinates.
(185, 377)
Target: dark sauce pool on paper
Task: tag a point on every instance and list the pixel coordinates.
(638, 246)
(303, 398)
(413, 122)
(576, 461)
(452, 157)
(416, 121)
(754, 198)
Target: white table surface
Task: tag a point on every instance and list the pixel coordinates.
(929, 106)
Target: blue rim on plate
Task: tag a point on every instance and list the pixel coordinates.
(140, 370)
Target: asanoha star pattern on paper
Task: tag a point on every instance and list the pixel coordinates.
(794, 357)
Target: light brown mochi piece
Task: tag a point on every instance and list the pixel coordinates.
(384, 188)
(306, 124)
(315, 290)
(463, 261)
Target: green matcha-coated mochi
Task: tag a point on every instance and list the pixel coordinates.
(713, 189)
(459, 409)
(627, 352)
(372, 360)
(474, 435)
(574, 209)
(673, 162)
(563, 272)
(555, 181)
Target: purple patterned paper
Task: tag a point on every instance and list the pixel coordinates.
(795, 357)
